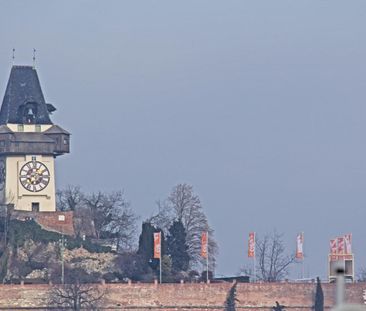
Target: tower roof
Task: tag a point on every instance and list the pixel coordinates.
(23, 101)
(55, 129)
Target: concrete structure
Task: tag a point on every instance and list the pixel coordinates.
(29, 143)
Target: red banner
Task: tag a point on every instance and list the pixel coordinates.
(157, 245)
(333, 246)
(340, 248)
(204, 245)
(251, 245)
(299, 246)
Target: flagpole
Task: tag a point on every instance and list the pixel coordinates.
(160, 269)
(160, 261)
(254, 262)
(303, 255)
(207, 260)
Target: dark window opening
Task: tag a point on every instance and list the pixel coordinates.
(35, 206)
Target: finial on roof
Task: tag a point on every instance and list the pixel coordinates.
(13, 57)
(34, 58)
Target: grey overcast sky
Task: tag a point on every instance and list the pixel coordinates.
(260, 105)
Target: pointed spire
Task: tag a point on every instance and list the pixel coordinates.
(23, 100)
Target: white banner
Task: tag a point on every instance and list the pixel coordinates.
(348, 243)
(300, 246)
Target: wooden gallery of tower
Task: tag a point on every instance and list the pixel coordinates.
(29, 144)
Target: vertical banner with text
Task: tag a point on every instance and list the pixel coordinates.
(204, 245)
(333, 246)
(348, 243)
(340, 242)
(300, 246)
(251, 245)
(157, 245)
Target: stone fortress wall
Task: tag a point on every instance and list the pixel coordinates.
(250, 296)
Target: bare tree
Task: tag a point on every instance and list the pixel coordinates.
(273, 262)
(69, 199)
(83, 222)
(113, 218)
(72, 198)
(76, 296)
(101, 215)
(101, 210)
(124, 227)
(185, 206)
(361, 275)
(163, 218)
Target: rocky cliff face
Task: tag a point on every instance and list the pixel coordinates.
(34, 254)
(101, 263)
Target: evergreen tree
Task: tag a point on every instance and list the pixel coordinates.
(146, 241)
(146, 245)
(278, 307)
(231, 299)
(166, 269)
(177, 247)
(319, 296)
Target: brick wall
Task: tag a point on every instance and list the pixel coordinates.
(57, 221)
(255, 297)
(62, 222)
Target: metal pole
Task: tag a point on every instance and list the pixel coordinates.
(207, 260)
(303, 256)
(254, 269)
(34, 58)
(161, 257)
(62, 261)
(13, 57)
(160, 270)
(6, 225)
(254, 261)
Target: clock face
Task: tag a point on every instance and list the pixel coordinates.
(2, 174)
(34, 176)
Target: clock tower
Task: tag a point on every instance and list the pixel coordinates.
(29, 144)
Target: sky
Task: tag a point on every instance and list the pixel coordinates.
(260, 105)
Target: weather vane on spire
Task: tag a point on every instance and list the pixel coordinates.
(34, 58)
(13, 57)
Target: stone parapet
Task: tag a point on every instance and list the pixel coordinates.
(253, 296)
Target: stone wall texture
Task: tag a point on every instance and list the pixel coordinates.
(253, 296)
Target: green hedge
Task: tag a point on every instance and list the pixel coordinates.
(20, 231)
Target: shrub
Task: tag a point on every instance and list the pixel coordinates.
(20, 231)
